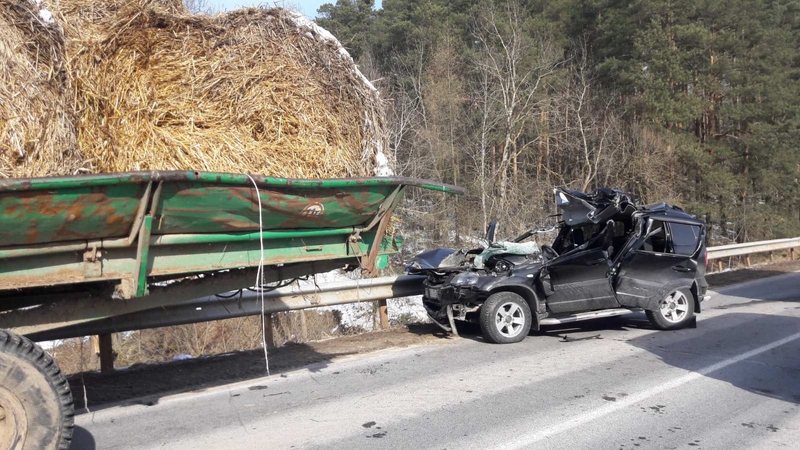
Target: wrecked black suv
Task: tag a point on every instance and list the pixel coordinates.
(610, 257)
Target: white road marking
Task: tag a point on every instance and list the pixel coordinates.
(581, 419)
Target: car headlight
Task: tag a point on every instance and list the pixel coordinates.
(465, 279)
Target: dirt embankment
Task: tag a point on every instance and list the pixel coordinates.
(751, 273)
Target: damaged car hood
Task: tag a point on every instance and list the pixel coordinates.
(449, 260)
(505, 248)
(436, 258)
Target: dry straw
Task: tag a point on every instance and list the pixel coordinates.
(254, 90)
(37, 132)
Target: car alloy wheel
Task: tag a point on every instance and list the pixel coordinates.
(509, 319)
(674, 307)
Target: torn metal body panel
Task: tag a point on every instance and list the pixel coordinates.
(609, 254)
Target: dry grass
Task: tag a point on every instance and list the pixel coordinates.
(200, 339)
(37, 131)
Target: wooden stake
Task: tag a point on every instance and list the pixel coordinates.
(106, 351)
(269, 334)
(303, 325)
(383, 314)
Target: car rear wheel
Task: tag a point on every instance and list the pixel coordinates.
(505, 318)
(674, 311)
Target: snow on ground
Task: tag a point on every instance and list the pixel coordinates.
(362, 315)
(407, 310)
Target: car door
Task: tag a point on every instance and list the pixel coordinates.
(657, 265)
(579, 282)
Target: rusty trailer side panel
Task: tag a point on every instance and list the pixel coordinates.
(51, 210)
(111, 236)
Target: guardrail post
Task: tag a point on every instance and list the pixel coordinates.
(791, 254)
(747, 260)
(104, 348)
(719, 266)
(771, 256)
(303, 325)
(269, 333)
(383, 314)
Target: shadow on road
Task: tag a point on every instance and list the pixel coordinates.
(466, 330)
(147, 383)
(82, 439)
(774, 373)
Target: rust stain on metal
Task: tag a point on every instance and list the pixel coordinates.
(32, 233)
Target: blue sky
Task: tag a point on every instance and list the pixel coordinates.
(307, 7)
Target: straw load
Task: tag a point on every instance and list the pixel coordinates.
(256, 90)
(37, 131)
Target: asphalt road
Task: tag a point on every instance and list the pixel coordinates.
(731, 383)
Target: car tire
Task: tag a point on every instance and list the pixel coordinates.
(505, 318)
(36, 410)
(675, 310)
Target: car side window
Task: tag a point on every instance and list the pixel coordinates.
(656, 242)
(685, 238)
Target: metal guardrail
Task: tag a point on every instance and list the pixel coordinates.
(748, 248)
(246, 303)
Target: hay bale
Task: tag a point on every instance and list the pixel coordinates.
(37, 132)
(256, 90)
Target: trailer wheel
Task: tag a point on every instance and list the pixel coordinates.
(36, 410)
(505, 318)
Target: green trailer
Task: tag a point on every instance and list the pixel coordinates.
(79, 249)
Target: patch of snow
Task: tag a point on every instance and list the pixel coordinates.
(382, 165)
(322, 34)
(44, 14)
(362, 315)
(407, 309)
(181, 357)
(355, 315)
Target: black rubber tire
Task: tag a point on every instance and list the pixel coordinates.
(37, 393)
(488, 313)
(659, 321)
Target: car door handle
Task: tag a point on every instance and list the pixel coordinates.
(681, 269)
(595, 262)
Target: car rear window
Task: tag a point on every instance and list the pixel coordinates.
(684, 238)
